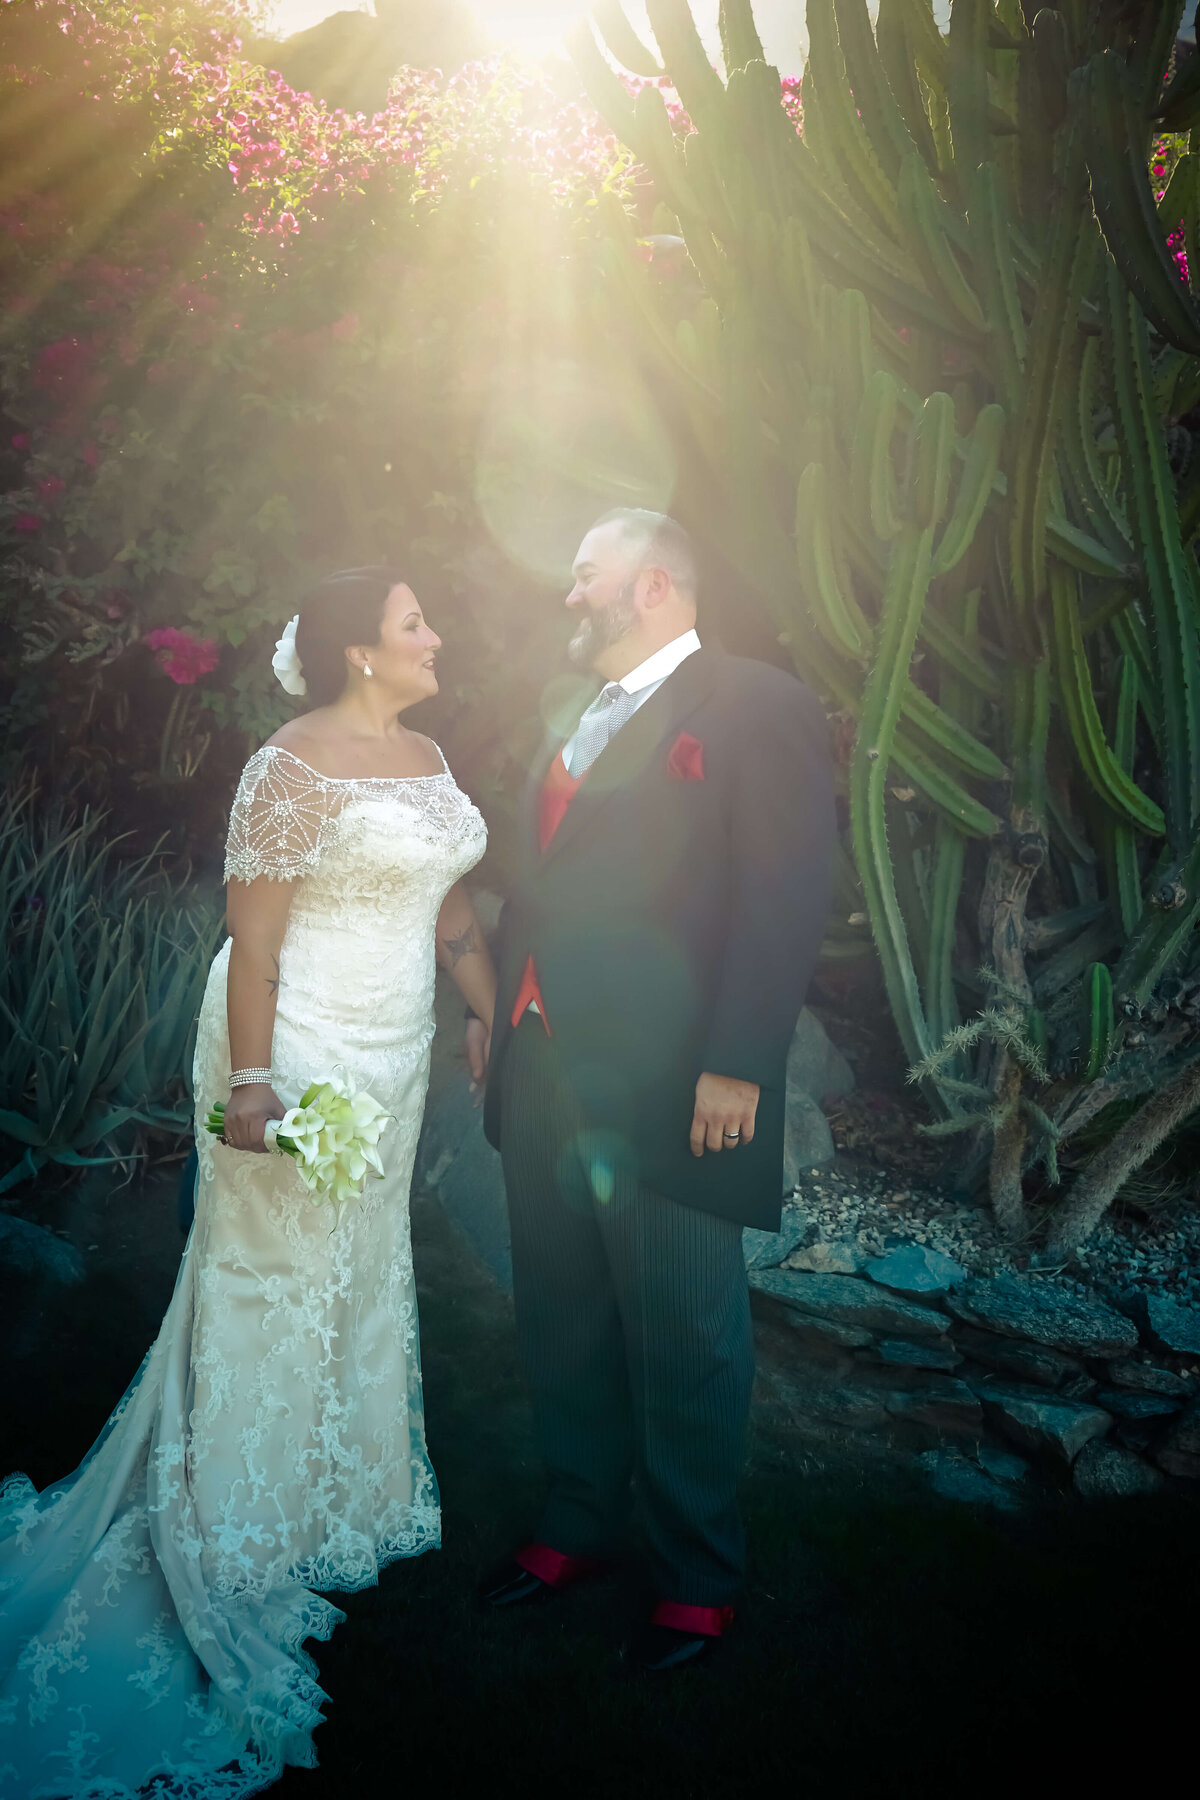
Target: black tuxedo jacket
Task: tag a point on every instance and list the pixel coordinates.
(674, 921)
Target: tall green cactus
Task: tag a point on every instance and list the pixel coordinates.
(944, 320)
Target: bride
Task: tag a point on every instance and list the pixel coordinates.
(272, 1445)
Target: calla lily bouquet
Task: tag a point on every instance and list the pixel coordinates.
(332, 1136)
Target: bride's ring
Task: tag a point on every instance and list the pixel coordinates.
(733, 1134)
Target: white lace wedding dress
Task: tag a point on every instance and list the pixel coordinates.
(153, 1604)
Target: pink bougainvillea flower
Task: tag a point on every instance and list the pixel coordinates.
(51, 487)
(28, 521)
(90, 455)
(180, 655)
(20, 440)
(344, 328)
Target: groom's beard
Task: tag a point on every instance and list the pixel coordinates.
(603, 627)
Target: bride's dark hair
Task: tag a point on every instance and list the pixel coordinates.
(346, 608)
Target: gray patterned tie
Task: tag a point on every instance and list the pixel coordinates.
(606, 715)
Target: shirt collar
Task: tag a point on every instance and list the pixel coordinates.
(664, 662)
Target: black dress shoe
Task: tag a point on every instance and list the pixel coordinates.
(661, 1649)
(508, 1584)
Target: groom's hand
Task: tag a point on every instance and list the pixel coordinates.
(478, 1040)
(723, 1106)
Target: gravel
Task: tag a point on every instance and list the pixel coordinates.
(1155, 1256)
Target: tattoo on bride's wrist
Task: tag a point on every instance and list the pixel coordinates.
(273, 983)
(462, 945)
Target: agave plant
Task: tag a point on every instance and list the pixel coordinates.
(99, 990)
(924, 400)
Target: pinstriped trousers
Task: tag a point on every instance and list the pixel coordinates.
(633, 1329)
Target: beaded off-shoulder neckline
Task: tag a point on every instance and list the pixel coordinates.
(355, 780)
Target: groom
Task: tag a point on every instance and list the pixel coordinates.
(673, 884)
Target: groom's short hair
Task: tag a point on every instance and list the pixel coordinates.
(660, 542)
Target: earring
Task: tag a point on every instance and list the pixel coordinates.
(367, 669)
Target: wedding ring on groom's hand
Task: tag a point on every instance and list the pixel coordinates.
(735, 1135)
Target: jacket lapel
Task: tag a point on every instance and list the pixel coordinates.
(527, 822)
(635, 745)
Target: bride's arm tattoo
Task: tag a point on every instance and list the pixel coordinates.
(273, 981)
(462, 945)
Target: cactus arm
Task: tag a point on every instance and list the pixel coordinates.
(1102, 768)
(908, 580)
(900, 72)
(995, 264)
(834, 609)
(1098, 1001)
(941, 1005)
(1161, 933)
(1124, 876)
(944, 733)
(696, 81)
(1098, 505)
(967, 46)
(1152, 54)
(933, 226)
(1124, 203)
(1179, 109)
(740, 42)
(846, 136)
(1065, 278)
(954, 653)
(1080, 550)
(974, 488)
(600, 82)
(1170, 578)
(871, 470)
(884, 121)
(624, 41)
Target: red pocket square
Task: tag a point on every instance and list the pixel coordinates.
(686, 761)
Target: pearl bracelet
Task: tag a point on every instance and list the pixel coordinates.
(246, 1077)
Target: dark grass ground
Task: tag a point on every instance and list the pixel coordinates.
(890, 1641)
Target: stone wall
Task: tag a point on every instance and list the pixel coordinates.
(997, 1373)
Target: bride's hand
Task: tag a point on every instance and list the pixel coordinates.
(478, 1046)
(246, 1113)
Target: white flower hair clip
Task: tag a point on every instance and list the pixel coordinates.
(286, 662)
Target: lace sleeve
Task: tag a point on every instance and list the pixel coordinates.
(280, 819)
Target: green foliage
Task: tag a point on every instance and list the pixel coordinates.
(100, 987)
(947, 334)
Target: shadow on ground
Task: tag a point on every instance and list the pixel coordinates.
(889, 1639)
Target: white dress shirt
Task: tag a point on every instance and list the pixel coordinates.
(648, 677)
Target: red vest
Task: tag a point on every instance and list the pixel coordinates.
(558, 791)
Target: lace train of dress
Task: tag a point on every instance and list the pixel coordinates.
(154, 1604)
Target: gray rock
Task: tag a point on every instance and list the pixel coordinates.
(851, 1404)
(807, 1139)
(915, 1269)
(1179, 1452)
(909, 1355)
(1126, 1405)
(35, 1253)
(1104, 1471)
(1043, 1424)
(767, 1249)
(1017, 1307)
(1173, 1325)
(1149, 1380)
(814, 1066)
(1001, 1465)
(848, 1301)
(952, 1475)
(457, 1164)
(827, 1259)
(942, 1405)
(1026, 1362)
(827, 1333)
